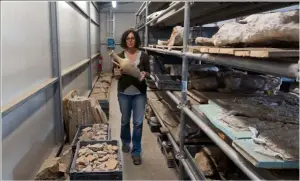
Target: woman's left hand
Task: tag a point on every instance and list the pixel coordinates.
(143, 75)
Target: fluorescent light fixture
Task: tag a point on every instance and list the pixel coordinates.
(114, 4)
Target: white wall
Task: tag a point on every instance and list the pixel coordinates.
(95, 38)
(26, 57)
(28, 134)
(73, 40)
(94, 13)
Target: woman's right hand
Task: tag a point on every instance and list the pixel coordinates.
(117, 73)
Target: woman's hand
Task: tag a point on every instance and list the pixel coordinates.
(144, 75)
(117, 73)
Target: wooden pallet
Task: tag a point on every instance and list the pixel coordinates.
(246, 52)
(165, 47)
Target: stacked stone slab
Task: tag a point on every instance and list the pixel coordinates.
(66, 110)
(102, 86)
(80, 108)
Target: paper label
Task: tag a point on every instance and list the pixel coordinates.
(184, 86)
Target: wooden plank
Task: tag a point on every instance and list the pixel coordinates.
(274, 53)
(194, 49)
(204, 49)
(162, 95)
(246, 147)
(256, 52)
(166, 47)
(242, 53)
(214, 50)
(195, 97)
(152, 95)
(228, 51)
(163, 112)
(190, 99)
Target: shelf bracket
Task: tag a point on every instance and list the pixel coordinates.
(180, 156)
(182, 105)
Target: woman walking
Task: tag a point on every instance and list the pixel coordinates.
(132, 94)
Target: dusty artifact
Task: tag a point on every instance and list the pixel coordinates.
(126, 66)
(176, 38)
(52, 169)
(80, 108)
(97, 112)
(99, 95)
(67, 114)
(236, 81)
(206, 83)
(270, 29)
(204, 41)
(98, 157)
(211, 159)
(95, 132)
(273, 120)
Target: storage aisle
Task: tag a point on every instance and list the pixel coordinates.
(154, 166)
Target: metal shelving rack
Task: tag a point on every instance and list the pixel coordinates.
(210, 13)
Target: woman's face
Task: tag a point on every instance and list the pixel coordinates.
(130, 40)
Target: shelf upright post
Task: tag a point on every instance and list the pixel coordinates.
(89, 52)
(146, 26)
(56, 71)
(184, 82)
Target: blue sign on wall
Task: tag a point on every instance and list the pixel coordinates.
(110, 43)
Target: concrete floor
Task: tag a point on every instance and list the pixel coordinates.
(154, 166)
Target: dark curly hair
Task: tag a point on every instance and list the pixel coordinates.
(136, 37)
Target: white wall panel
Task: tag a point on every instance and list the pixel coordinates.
(94, 38)
(124, 21)
(76, 80)
(94, 13)
(95, 67)
(25, 38)
(82, 5)
(103, 27)
(73, 35)
(25, 148)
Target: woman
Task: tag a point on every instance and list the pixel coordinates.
(132, 94)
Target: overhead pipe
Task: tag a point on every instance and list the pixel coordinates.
(229, 151)
(251, 64)
(286, 69)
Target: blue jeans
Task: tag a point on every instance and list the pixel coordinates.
(136, 104)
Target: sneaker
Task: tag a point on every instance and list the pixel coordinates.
(137, 160)
(125, 149)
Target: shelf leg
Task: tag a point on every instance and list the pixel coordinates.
(184, 84)
(146, 26)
